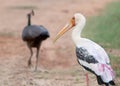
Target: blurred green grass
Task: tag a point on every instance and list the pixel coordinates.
(104, 29)
(115, 62)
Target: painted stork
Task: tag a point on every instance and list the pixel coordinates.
(34, 35)
(90, 55)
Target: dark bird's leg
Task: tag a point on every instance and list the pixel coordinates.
(31, 52)
(37, 56)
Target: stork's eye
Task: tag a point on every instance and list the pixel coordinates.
(73, 21)
(73, 18)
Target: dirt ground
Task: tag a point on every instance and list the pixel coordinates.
(57, 62)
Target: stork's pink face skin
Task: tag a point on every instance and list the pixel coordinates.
(65, 29)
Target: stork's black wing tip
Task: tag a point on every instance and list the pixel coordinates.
(112, 82)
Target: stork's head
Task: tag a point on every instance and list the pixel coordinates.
(76, 19)
(79, 18)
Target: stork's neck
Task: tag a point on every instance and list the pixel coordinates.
(76, 33)
(29, 20)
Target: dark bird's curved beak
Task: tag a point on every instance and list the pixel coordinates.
(32, 12)
(65, 29)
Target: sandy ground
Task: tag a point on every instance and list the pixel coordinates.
(57, 61)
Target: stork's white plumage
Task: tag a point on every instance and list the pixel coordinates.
(89, 54)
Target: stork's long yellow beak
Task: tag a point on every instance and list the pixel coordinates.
(65, 29)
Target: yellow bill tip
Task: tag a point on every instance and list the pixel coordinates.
(56, 38)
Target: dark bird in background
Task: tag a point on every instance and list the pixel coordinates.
(33, 35)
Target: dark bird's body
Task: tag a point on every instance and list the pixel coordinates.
(33, 35)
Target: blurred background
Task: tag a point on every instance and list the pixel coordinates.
(58, 61)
